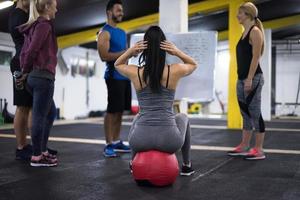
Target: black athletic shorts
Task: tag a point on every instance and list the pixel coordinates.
(119, 95)
(21, 97)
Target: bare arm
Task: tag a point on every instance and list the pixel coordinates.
(103, 48)
(256, 38)
(121, 63)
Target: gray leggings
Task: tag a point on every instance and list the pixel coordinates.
(162, 138)
(250, 104)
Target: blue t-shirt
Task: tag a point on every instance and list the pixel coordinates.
(118, 43)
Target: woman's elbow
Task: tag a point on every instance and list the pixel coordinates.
(195, 66)
(194, 63)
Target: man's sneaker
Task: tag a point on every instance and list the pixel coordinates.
(28, 147)
(44, 162)
(254, 154)
(25, 153)
(52, 151)
(239, 151)
(121, 147)
(109, 151)
(186, 170)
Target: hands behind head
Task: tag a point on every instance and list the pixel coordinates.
(138, 48)
(169, 47)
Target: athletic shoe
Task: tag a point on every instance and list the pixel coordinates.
(44, 162)
(52, 151)
(186, 170)
(50, 156)
(121, 147)
(239, 151)
(254, 154)
(25, 153)
(109, 151)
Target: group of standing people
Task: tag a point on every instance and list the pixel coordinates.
(32, 30)
(156, 126)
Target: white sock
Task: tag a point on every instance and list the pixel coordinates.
(116, 142)
(187, 165)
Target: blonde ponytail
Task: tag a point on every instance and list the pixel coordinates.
(37, 7)
(259, 25)
(33, 13)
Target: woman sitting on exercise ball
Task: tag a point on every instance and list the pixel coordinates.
(156, 127)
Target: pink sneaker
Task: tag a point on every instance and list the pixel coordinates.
(254, 154)
(239, 151)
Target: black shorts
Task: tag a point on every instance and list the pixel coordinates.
(119, 95)
(21, 97)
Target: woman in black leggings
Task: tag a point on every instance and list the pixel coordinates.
(250, 81)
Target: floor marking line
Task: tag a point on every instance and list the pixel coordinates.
(212, 170)
(220, 127)
(193, 147)
(195, 126)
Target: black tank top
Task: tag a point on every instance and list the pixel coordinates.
(17, 18)
(244, 57)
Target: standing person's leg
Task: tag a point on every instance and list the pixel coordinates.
(23, 101)
(51, 113)
(112, 126)
(117, 90)
(21, 129)
(48, 126)
(260, 135)
(110, 117)
(42, 94)
(120, 94)
(108, 124)
(21, 125)
(254, 102)
(123, 96)
(243, 148)
(116, 129)
(29, 121)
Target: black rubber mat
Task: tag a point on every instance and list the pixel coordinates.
(83, 173)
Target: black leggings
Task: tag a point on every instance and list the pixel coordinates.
(250, 104)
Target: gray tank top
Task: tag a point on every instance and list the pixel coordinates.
(156, 109)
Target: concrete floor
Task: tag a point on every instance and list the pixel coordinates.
(83, 173)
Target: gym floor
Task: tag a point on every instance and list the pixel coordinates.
(83, 173)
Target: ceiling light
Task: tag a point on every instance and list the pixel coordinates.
(6, 4)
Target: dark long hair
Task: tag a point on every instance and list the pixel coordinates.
(153, 58)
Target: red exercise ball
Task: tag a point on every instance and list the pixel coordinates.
(157, 168)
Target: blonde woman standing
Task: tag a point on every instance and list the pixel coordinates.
(38, 63)
(250, 82)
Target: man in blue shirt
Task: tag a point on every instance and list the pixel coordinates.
(112, 44)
